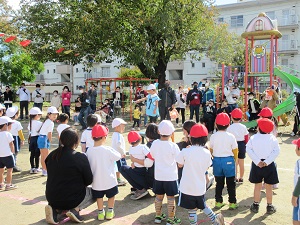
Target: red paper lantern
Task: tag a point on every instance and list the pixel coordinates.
(9, 39)
(60, 50)
(25, 43)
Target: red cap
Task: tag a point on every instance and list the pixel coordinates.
(266, 112)
(133, 136)
(237, 113)
(99, 131)
(265, 125)
(222, 119)
(296, 142)
(198, 130)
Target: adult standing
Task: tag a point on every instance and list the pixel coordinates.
(194, 99)
(38, 97)
(66, 96)
(8, 97)
(139, 94)
(180, 104)
(85, 107)
(117, 97)
(24, 96)
(167, 101)
(69, 175)
(93, 97)
(232, 94)
(207, 94)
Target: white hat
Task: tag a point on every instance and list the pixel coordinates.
(166, 127)
(11, 112)
(2, 107)
(52, 110)
(148, 162)
(5, 120)
(35, 111)
(99, 118)
(117, 121)
(151, 87)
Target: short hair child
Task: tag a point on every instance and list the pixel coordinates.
(137, 116)
(263, 149)
(196, 158)
(7, 150)
(224, 150)
(152, 133)
(86, 137)
(63, 119)
(242, 136)
(102, 161)
(166, 174)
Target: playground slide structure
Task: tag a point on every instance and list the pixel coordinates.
(290, 102)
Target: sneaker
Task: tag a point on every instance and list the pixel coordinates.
(132, 191)
(44, 173)
(138, 128)
(173, 221)
(177, 125)
(271, 209)
(38, 170)
(233, 206)
(160, 218)
(76, 124)
(219, 205)
(121, 183)
(74, 216)
(219, 220)
(132, 129)
(241, 180)
(2, 186)
(32, 170)
(51, 215)
(210, 183)
(101, 215)
(139, 194)
(16, 169)
(10, 187)
(110, 215)
(293, 134)
(254, 208)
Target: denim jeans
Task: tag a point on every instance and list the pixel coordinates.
(84, 112)
(66, 109)
(195, 109)
(39, 105)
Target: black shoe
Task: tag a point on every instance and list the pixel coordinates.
(271, 209)
(17, 169)
(51, 215)
(74, 216)
(241, 180)
(254, 208)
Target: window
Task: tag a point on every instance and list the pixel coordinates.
(220, 20)
(259, 25)
(77, 70)
(237, 21)
(203, 65)
(193, 64)
(271, 15)
(95, 70)
(54, 71)
(284, 62)
(48, 71)
(105, 71)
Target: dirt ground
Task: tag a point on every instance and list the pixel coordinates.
(25, 205)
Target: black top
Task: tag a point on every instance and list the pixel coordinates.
(167, 97)
(67, 179)
(84, 99)
(8, 96)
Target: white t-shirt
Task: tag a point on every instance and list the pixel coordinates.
(5, 139)
(297, 172)
(102, 161)
(35, 127)
(15, 127)
(164, 153)
(263, 146)
(139, 152)
(47, 127)
(118, 142)
(238, 130)
(86, 138)
(196, 161)
(61, 127)
(222, 144)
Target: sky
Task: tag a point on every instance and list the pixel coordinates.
(15, 3)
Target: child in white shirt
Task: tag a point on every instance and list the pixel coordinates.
(7, 150)
(165, 172)
(102, 161)
(63, 119)
(195, 160)
(242, 136)
(17, 133)
(45, 136)
(118, 143)
(295, 198)
(86, 136)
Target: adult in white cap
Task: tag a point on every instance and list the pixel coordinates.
(152, 103)
(17, 133)
(167, 102)
(6, 153)
(45, 136)
(24, 96)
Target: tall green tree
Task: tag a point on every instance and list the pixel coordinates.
(145, 33)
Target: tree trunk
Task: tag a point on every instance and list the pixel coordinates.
(145, 70)
(160, 70)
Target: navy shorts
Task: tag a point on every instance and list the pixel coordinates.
(7, 161)
(191, 202)
(242, 149)
(43, 142)
(170, 188)
(121, 162)
(224, 166)
(296, 211)
(17, 143)
(268, 174)
(108, 193)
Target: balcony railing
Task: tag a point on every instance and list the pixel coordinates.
(291, 20)
(96, 75)
(288, 45)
